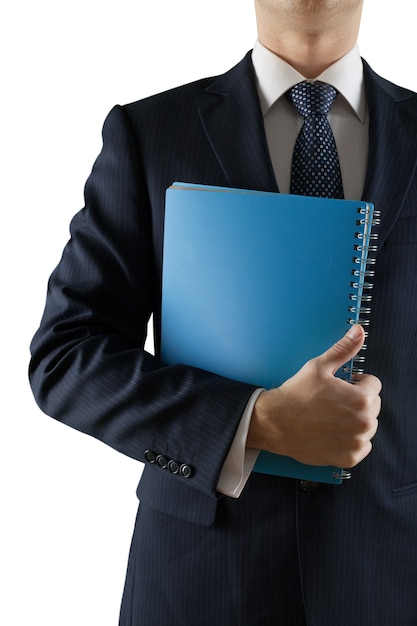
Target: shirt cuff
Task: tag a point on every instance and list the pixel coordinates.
(240, 460)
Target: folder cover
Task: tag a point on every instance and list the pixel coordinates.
(256, 283)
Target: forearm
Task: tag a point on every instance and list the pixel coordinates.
(88, 365)
(109, 388)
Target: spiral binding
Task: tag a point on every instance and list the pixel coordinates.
(342, 475)
(359, 310)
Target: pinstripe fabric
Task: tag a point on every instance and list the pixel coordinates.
(193, 575)
(344, 555)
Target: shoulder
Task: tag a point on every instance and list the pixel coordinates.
(400, 95)
(188, 96)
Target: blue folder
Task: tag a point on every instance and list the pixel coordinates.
(256, 283)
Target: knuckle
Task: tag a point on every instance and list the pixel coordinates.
(367, 407)
(365, 423)
(354, 456)
(340, 348)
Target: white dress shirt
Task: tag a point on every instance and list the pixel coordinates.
(349, 121)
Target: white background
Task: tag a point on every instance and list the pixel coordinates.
(68, 502)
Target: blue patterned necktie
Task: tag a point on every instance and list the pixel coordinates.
(315, 164)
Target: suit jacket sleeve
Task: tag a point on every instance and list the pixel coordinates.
(89, 368)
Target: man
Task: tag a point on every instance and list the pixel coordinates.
(215, 543)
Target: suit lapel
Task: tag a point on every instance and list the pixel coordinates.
(392, 149)
(233, 122)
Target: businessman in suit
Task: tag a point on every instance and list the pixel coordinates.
(215, 543)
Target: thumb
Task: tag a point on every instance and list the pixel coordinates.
(344, 349)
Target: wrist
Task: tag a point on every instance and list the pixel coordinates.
(264, 431)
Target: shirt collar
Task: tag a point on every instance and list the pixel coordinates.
(275, 76)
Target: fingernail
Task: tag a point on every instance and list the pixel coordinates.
(354, 332)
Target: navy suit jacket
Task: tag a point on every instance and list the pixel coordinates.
(340, 555)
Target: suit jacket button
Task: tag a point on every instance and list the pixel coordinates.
(173, 467)
(309, 485)
(150, 456)
(185, 470)
(162, 461)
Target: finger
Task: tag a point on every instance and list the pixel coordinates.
(368, 381)
(343, 350)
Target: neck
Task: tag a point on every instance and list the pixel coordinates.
(310, 41)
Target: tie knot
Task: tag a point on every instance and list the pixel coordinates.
(312, 98)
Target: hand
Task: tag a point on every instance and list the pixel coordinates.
(317, 418)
